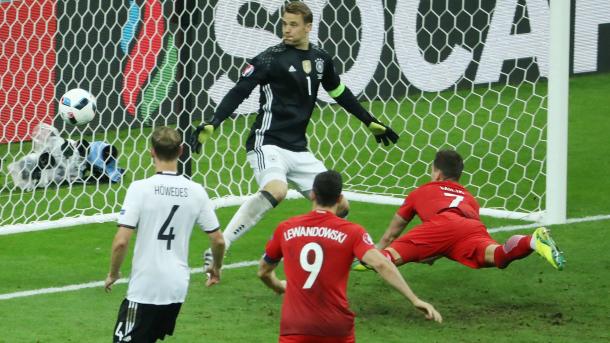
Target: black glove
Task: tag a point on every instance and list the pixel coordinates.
(200, 135)
(382, 133)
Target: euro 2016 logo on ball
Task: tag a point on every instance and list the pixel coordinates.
(77, 107)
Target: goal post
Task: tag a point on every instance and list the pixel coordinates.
(487, 78)
(557, 137)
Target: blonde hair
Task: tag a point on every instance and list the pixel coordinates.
(166, 143)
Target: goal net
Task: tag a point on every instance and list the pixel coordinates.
(467, 75)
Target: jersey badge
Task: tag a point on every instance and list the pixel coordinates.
(292, 69)
(320, 65)
(367, 239)
(248, 70)
(307, 66)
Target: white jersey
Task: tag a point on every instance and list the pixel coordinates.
(164, 209)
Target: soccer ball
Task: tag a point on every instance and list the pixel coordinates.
(77, 107)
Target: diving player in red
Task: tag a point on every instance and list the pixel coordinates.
(318, 249)
(452, 228)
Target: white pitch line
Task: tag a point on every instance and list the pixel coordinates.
(101, 283)
(253, 263)
(533, 225)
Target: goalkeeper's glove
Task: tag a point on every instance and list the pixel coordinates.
(200, 135)
(382, 133)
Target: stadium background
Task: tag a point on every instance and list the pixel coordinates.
(132, 68)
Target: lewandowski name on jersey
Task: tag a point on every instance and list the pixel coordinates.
(171, 191)
(324, 232)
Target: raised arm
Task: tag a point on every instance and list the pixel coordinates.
(252, 75)
(391, 275)
(237, 94)
(346, 99)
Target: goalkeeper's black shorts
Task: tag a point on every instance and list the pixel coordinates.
(144, 323)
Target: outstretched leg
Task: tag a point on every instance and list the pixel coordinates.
(519, 246)
(253, 210)
(249, 214)
(515, 248)
(546, 247)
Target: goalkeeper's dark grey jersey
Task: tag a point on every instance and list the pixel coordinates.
(289, 79)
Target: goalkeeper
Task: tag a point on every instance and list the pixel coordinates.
(289, 75)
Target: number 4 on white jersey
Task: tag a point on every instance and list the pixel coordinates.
(118, 332)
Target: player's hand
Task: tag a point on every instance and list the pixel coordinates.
(200, 135)
(382, 133)
(110, 280)
(429, 310)
(281, 287)
(213, 276)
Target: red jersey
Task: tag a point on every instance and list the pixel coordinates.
(433, 197)
(318, 249)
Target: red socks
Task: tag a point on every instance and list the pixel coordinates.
(515, 248)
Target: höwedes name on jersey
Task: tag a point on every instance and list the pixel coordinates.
(171, 191)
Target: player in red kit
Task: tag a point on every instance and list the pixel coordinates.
(451, 226)
(318, 249)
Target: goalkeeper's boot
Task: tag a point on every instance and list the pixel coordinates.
(546, 247)
(360, 266)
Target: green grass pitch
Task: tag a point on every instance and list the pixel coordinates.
(528, 302)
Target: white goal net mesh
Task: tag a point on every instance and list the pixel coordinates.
(468, 75)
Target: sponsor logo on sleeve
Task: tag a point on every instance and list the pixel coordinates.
(367, 239)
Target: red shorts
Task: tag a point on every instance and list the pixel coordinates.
(447, 234)
(316, 339)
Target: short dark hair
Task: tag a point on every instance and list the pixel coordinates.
(450, 163)
(327, 187)
(299, 7)
(166, 143)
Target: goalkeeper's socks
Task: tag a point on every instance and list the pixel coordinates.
(249, 213)
(515, 248)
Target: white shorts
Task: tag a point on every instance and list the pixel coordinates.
(271, 162)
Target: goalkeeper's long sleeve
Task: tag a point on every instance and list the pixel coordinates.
(233, 99)
(348, 101)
